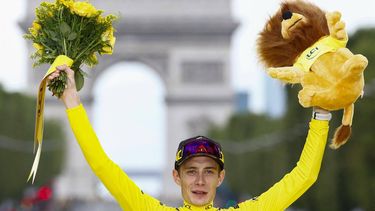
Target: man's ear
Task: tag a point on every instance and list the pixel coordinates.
(221, 177)
(176, 177)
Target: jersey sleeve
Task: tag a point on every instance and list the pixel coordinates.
(282, 194)
(123, 189)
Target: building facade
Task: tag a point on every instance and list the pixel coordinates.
(187, 43)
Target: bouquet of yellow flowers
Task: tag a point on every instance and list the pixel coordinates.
(74, 29)
(66, 32)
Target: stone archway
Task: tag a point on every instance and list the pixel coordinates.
(129, 117)
(188, 46)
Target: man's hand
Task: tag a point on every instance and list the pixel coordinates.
(70, 96)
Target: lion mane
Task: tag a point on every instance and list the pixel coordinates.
(274, 50)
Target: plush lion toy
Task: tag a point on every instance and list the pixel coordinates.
(303, 44)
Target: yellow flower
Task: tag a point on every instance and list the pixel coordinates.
(35, 28)
(93, 58)
(84, 9)
(48, 5)
(108, 19)
(39, 48)
(107, 49)
(67, 3)
(107, 36)
(101, 19)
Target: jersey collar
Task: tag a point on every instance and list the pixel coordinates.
(192, 207)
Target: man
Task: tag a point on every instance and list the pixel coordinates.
(199, 165)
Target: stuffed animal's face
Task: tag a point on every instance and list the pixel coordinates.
(292, 24)
(293, 28)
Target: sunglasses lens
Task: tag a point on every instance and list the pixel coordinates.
(200, 146)
(197, 147)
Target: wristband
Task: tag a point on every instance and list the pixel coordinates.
(320, 116)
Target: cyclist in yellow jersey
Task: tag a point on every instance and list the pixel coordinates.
(199, 165)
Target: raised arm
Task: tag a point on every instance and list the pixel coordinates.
(294, 184)
(127, 194)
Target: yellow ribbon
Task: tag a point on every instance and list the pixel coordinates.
(39, 118)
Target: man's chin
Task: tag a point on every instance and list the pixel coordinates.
(200, 200)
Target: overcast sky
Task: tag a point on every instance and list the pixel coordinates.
(247, 75)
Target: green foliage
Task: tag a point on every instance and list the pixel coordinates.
(242, 169)
(16, 145)
(73, 29)
(238, 128)
(347, 177)
(359, 156)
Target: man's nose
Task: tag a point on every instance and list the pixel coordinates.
(200, 180)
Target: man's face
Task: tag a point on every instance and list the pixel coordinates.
(199, 177)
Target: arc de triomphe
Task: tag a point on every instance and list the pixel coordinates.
(188, 44)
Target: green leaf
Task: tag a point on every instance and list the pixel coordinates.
(78, 77)
(52, 35)
(72, 36)
(65, 28)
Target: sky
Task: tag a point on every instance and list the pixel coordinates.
(13, 53)
(132, 139)
(247, 76)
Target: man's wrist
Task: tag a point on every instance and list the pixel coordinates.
(321, 116)
(320, 110)
(71, 100)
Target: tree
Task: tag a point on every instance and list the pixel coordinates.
(17, 113)
(357, 159)
(245, 165)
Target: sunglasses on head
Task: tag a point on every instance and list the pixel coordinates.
(199, 146)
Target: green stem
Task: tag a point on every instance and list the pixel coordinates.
(46, 46)
(89, 47)
(60, 18)
(65, 51)
(78, 37)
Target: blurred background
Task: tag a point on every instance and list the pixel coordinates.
(180, 68)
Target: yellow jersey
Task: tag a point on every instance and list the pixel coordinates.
(131, 197)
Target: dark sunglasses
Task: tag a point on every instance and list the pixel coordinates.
(199, 146)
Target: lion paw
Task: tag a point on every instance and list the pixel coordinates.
(273, 72)
(355, 65)
(285, 74)
(305, 97)
(336, 26)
